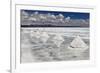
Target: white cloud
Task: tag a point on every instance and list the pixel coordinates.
(67, 19)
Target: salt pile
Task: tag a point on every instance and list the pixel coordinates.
(58, 39)
(40, 36)
(78, 46)
(36, 34)
(78, 43)
(44, 37)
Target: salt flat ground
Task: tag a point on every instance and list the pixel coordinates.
(34, 50)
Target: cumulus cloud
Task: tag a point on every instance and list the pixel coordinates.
(36, 13)
(53, 20)
(67, 19)
(79, 22)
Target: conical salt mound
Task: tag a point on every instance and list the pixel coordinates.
(58, 37)
(78, 46)
(58, 40)
(78, 43)
(36, 34)
(44, 37)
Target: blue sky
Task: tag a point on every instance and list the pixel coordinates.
(73, 15)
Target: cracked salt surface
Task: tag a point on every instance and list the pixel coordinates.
(39, 49)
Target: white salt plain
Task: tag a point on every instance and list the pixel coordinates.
(43, 48)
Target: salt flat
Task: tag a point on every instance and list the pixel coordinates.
(34, 50)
